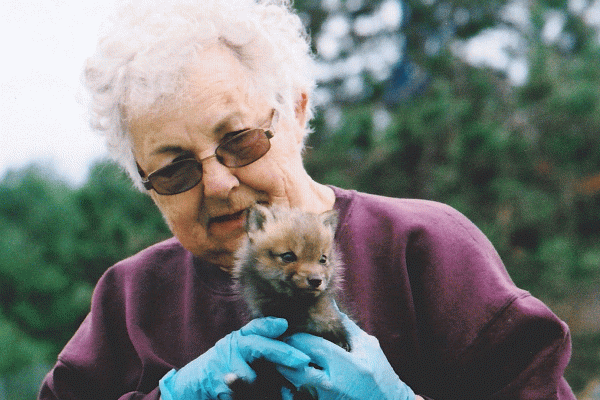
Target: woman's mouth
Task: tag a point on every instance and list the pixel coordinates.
(227, 225)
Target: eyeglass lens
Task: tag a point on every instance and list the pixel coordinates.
(244, 148)
(239, 151)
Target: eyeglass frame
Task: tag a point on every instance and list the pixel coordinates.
(267, 132)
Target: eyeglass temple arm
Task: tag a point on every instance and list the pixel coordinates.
(147, 184)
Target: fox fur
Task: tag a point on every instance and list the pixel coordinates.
(288, 267)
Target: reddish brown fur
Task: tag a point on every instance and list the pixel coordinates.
(274, 286)
(288, 268)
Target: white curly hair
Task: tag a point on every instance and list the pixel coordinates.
(146, 50)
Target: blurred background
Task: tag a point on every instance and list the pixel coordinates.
(492, 107)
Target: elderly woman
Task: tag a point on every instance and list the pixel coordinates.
(206, 104)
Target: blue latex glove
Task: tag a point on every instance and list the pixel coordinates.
(205, 378)
(362, 374)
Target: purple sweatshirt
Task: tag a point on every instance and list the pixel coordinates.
(418, 275)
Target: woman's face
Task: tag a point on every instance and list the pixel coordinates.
(208, 219)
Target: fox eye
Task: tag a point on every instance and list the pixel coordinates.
(323, 259)
(288, 257)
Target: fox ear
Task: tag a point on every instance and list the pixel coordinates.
(256, 217)
(330, 219)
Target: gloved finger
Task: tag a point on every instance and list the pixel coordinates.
(268, 327)
(351, 326)
(358, 337)
(306, 376)
(320, 350)
(286, 394)
(238, 368)
(220, 390)
(254, 347)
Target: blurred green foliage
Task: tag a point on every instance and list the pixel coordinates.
(522, 162)
(55, 242)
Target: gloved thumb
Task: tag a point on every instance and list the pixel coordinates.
(269, 327)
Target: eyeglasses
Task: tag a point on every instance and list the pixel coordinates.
(240, 150)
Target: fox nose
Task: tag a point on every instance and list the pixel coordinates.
(315, 282)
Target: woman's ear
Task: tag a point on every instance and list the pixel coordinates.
(300, 109)
(301, 118)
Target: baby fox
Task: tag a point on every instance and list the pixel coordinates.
(288, 268)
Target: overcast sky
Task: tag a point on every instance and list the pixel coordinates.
(44, 45)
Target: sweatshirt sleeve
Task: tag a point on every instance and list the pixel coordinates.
(427, 282)
(522, 353)
(64, 382)
(101, 360)
(489, 339)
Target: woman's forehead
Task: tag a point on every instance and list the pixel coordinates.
(217, 114)
(216, 80)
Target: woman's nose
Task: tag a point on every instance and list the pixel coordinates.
(218, 180)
